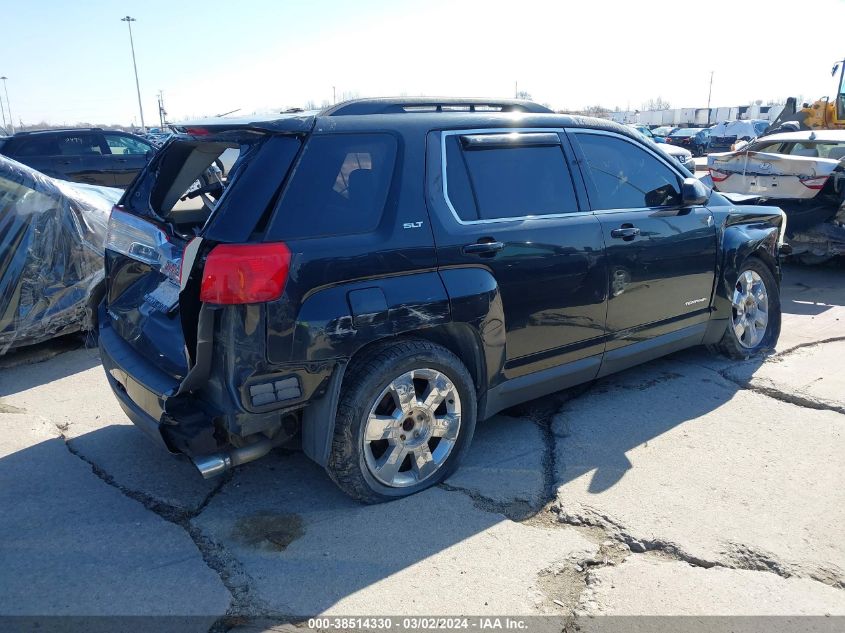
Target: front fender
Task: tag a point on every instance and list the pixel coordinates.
(753, 231)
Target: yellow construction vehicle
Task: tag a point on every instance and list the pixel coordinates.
(824, 114)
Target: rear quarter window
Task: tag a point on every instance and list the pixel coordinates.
(339, 187)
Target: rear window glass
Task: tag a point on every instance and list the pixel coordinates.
(340, 186)
(512, 182)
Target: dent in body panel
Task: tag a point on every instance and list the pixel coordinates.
(744, 231)
(413, 302)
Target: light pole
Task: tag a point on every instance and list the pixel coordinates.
(3, 112)
(710, 91)
(8, 105)
(129, 20)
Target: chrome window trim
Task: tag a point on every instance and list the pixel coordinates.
(647, 149)
(444, 134)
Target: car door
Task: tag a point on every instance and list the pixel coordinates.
(661, 255)
(83, 158)
(506, 202)
(128, 155)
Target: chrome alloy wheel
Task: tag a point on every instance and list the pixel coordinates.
(412, 428)
(750, 309)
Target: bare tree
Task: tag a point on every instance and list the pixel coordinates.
(597, 111)
(657, 104)
(523, 94)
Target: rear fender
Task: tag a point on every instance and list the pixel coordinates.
(456, 302)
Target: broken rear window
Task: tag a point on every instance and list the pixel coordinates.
(189, 176)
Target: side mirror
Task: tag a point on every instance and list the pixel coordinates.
(693, 192)
(150, 153)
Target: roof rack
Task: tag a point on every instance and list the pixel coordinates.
(400, 105)
(60, 129)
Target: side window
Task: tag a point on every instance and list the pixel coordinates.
(126, 145)
(79, 145)
(490, 181)
(44, 146)
(623, 176)
(339, 187)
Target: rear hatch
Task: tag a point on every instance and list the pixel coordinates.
(220, 178)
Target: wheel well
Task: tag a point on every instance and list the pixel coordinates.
(93, 304)
(766, 257)
(458, 338)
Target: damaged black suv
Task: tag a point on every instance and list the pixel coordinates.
(369, 281)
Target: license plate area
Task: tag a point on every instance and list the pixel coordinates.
(165, 298)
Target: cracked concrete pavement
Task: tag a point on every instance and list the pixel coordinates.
(690, 485)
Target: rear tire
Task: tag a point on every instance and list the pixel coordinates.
(404, 421)
(754, 326)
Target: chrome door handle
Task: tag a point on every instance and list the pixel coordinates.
(482, 248)
(625, 233)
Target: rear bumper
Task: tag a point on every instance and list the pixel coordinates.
(140, 388)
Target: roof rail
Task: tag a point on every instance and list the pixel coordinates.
(396, 105)
(60, 129)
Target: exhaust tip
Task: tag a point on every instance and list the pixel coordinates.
(212, 465)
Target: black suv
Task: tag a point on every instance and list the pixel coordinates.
(371, 280)
(89, 155)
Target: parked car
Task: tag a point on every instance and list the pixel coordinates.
(696, 140)
(381, 275)
(663, 131)
(801, 172)
(51, 255)
(87, 155)
(680, 154)
(724, 136)
(648, 133)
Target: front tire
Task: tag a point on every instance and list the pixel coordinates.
(404, 421)
(754, 326)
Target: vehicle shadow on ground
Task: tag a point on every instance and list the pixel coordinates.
(307, 548)
(36, 365)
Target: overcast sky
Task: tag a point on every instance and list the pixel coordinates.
(70, 61)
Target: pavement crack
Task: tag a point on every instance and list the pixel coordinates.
(616, 531)
(231, 572)
(800, 346)
(753, 559)
(518, 510)
(782, 396)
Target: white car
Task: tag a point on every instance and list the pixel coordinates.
(793, 165)
(803, 173)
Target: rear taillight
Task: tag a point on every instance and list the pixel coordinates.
(245, 273)
(136, 238)
(718, 176)
(813, 183)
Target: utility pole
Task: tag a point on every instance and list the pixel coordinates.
(129, 20)
(334, 95)
(516, 90)
(710, 92)
(8, 104)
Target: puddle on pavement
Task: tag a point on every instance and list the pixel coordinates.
(268, 531)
